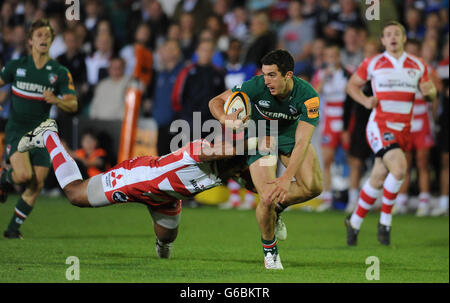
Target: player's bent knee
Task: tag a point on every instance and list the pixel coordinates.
(398, 174)
(23, 177)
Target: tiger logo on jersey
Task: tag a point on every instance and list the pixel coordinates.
(52, 78)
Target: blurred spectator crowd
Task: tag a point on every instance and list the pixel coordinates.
(195, 49)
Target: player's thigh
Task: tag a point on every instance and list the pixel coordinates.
(22, 168)
(309, 174)
(262, 171)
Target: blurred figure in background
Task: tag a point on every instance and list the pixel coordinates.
(413, 25)
(17, 47)
(138, 57)
(171, 63)
(354, 134)
(262, 40)
(296, 35)
(196, 84)
(422, 134)
(330, 83)
(351, 53)
(92, 158)
(443, 72)
(237, 73)
(109, 96)
(98, 63)
(236, 22)
(199, 9)
(188, 39)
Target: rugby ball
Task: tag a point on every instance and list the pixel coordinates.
(236, 101)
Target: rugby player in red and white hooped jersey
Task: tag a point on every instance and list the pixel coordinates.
(158, 182)
(330, 82)
(422, 132)
(395, 77)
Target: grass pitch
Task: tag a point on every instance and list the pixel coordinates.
(116, 244)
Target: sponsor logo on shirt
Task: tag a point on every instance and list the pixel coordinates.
(119, 197)
(292, 109)
(32, 87)
(388, 136)
(271, 115)
(21, 72)
(264, 103)
(197, 187)
(312, 107)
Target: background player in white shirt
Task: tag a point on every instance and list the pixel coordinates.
(395, 77)
(158, 182)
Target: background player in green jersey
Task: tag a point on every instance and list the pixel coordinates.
(36, 82)
(279, 95)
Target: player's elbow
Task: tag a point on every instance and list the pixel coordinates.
(75, 196)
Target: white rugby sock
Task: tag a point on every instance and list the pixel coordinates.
(391, 187)
(402, 199)
(443, 202)
(367, 198)
(424, 198)
(66, 169)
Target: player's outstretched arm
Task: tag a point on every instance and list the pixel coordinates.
(354, 87)
(228, 149)
(67, 103)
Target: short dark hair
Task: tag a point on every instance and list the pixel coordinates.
(281, 58)
(38, 24)
(395, 23)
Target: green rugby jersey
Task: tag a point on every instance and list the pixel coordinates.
(302, 104)
(28, 84)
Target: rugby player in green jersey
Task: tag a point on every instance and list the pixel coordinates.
(37, 81)
(278, 95)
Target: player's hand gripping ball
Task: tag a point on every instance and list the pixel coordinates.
(238, 110)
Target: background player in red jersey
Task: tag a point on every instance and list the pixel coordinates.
(158, 182)
(330, 83)
(395, 76)
(421, 133)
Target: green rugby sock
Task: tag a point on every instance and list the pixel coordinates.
(21, 212)
(270, 246)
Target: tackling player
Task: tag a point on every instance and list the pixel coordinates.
(278, 95)
(158, 182)
(38, 82)
(395, 76)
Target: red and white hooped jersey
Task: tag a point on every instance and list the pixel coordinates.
(160, 180)
(394, 83)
